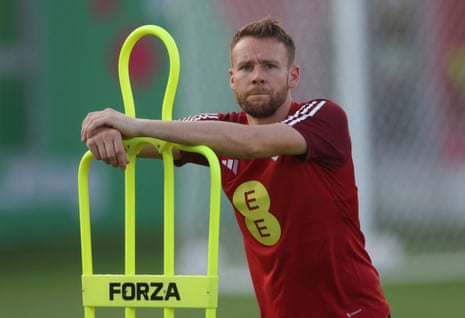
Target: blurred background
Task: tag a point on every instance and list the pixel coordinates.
(397, 67)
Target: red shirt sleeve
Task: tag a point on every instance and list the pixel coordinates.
(321, 122)
(324, 126)
(192, 157)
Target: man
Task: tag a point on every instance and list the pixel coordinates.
(287, 169)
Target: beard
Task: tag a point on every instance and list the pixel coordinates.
(257, 106)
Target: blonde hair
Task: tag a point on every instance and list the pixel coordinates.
(266, 28)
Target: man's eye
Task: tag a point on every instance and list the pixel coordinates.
(270, 66)
(246, 67)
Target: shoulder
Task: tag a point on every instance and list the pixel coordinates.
(313, 109)
(237, 117)
(201, 116)
(324, 126)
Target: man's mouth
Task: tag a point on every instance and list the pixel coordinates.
(252, 93)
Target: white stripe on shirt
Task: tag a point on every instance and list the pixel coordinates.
(202, 116)
(304, 112)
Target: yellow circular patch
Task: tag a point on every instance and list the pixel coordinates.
(252, 200)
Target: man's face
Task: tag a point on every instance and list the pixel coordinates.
(260, 75)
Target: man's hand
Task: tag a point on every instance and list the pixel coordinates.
(106, 144)
(108, 118)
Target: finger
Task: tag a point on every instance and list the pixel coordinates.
(97, 146)
(91, 124)
(90, 128)
(85, 126)
(108, 152)
(115, 151)
(93, 147)
(121, 155)
(83, 129)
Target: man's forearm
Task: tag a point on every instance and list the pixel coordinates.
(229, 139)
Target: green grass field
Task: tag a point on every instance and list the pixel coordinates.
(37, 284)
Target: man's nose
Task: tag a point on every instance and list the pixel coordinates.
(258, 75)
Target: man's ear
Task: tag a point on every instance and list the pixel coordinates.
(294, 76)
(231, 77)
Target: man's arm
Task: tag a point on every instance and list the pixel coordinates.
(229, 139)
(225, 138)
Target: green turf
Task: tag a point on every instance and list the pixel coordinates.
(427, 300)
(34, 284)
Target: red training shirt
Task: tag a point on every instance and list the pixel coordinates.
(299, 220)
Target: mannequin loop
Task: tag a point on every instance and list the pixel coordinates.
(173, 76)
